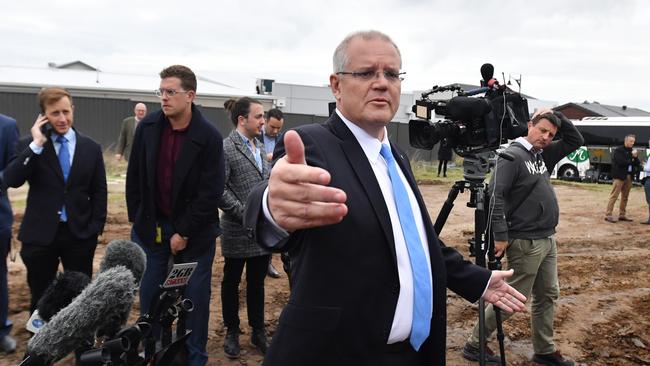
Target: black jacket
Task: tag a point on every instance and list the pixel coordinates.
(84, 194)
(622, 159)
(197, 185)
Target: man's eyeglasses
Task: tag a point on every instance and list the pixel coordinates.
(170, 92)
(391, 76)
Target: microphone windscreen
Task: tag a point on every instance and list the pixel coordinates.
(103, 304)
(124, 253)
(63, 289)
(487, 72)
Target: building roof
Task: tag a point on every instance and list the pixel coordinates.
(101, 81)
(596, 109)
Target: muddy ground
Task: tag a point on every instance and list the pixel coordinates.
(602, 317)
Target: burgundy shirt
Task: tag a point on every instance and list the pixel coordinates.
(171, 142)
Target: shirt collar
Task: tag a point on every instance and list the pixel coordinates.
(528, 145)
(70, 136)
(371, 146)
(245, 139)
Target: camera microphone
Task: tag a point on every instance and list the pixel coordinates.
(487, 73)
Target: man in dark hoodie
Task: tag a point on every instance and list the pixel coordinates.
(524, 215)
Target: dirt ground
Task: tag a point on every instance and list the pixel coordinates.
(602, 317)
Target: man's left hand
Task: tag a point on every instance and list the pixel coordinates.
(177, 243)
(500, 294)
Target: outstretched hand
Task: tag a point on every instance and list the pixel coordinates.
(500, 294)
(299, 197)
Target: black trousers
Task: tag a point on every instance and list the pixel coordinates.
(442, 165)
(42, 261)
(256, 268)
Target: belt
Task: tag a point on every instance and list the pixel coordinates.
(398, 347)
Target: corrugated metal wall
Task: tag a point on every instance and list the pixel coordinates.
(101, 119)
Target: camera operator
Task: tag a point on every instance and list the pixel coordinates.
(524, 216)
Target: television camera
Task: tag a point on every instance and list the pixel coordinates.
(471, 124)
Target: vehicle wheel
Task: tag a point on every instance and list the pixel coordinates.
(568, 172)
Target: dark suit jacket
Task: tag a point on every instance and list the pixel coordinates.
(125, 140)
(84, 194)
(621, 159)
(8, 140)
(346, 283)
(197, 185)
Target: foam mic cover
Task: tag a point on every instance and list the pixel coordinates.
(124, 253)
(105, 303)
(63, 289)
(487, 72)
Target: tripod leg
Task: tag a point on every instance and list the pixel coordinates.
(500, 335)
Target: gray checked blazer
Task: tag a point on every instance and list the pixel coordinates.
(242, 175)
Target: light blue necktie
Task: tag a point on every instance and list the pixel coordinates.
(256, 154)
(64, 161)
(422, 294)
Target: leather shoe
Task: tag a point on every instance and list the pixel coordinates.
(231, 343)
(623, 218)
(7, 344)
(472, 353)
(553, 359)
(272, 272)
(610, 219)
(258, 339)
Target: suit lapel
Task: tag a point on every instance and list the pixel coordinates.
(361, 167)
(76, 158)
(151, 136)
(243, 149)
(49, 154)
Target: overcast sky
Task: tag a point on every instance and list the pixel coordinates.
(566, 51)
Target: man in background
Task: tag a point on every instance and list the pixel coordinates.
(524, 217)
(66, 202)
(246, 166)
(623, 165)
(8, 139)
(272, 130)
(125, 140)
(270, 135)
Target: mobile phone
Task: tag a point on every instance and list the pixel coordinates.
(46, 129)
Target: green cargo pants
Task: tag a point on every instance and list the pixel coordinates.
(535, 265)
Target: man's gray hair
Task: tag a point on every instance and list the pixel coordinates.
(341, 53)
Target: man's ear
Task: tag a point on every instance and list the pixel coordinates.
(335, 86)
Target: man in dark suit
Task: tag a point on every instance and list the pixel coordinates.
(347, 204)
(125, 140)
(174, 182)
(66, 203)
(8, 139)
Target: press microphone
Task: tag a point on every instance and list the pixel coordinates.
(63, 289)
(104, 303)
(124, 253)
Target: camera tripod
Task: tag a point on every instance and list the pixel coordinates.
(475, 167)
